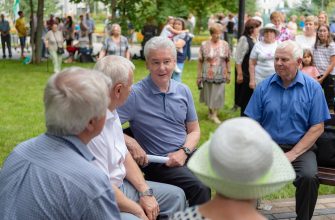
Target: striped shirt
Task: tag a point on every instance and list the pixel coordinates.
(322, 55)
(51, 177)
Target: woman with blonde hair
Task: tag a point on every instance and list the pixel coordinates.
(213, 71)
(323, 18)
(277, 18)
(115, 43)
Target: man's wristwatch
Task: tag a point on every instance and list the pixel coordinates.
(186, 150)
(148, 192)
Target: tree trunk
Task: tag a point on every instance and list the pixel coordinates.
(113, 9)
(32, 33)
(38, 45)
(199, 22)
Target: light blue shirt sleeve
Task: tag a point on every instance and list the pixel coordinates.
(102, 208)
(254, 108)
(319, 113)
(191, 112)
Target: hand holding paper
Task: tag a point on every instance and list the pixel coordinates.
(157, 159)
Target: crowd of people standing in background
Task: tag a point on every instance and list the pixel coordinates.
(253, 53)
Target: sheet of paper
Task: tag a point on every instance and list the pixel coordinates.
(157, 159)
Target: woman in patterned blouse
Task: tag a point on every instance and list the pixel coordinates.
(213, 71)
(277, 19)
(115, 44)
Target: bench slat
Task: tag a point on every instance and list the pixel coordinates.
(326, 175)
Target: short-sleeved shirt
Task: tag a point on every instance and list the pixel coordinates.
(214, 61)
(312, 71)
(181, 53)
(264, 55)
(158, 120)
(322, 55)
(55, 40)
(109, 149)
(20, 26)
(113, 48)
(4, 27)
(90, 25)
(288, 113)
(285, 34)
(50, 177)
(305, 42)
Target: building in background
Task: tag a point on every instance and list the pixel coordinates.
(268, 6)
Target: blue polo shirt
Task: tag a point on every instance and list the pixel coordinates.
(51, 177)
(158, 120)
(288, 113)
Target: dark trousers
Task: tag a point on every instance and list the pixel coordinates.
(196, 193)
(244, 94)
(328, 88)
(188, 49)
(5, 40)
(306, 183)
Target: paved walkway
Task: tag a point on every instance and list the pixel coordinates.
(285, 208)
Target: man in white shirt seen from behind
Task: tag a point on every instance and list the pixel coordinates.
(136, 198)
(307, 39)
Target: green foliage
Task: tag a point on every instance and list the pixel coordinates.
(304, 9)
(138, 11)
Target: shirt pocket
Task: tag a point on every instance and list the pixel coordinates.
(299, 110)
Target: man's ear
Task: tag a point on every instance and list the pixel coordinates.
(91, 124)
(117, 90)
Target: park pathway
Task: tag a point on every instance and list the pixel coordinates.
(284, 209)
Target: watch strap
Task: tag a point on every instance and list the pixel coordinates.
(148, 192)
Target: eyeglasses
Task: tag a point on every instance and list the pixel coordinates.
(156, 64)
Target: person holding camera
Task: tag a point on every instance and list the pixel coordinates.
(54, 43)
(213, 71)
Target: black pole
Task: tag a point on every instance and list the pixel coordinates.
(241, 11)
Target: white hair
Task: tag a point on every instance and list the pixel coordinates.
(293, 47)
(156, 43)
(72, 98)
(115, 67)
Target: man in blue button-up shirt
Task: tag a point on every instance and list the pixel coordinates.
(51, 176)
(5, 36)
(291, 106)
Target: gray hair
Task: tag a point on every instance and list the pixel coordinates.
(72, 98)
(156, 43)
(293, 47)
(115, 67)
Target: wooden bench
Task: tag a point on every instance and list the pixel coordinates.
(326, 175)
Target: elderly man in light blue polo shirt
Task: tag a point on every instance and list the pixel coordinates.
(291, 106)
(163, 121)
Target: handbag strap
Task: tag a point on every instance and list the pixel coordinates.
(55, 38)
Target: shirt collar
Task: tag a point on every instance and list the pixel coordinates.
(77, 145)
(155, 89)
(111, 115)
(298, 79)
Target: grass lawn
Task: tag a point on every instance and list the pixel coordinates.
(22, 116)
